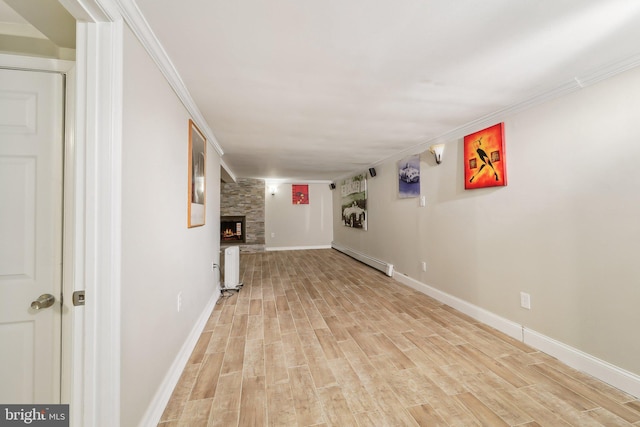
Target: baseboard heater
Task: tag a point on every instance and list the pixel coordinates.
(385, 267)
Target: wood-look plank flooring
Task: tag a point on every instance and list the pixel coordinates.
(315, 338)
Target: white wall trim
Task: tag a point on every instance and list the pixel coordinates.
(92, 10)
(92, 194)
(32, 63)
(98, 223)
(73, 338)
(577, 359)
(140, 27)
(296, 248)
(72, 341)
(508, 327)
(228, 171)
(278, 181)
(159, 402)
(577, 83)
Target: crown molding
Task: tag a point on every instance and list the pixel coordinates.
(579, 82)
(140, 27)
(228, 171)
(278, 181)
(92, 10)
(608, 71)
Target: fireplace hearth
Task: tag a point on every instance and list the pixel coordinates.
(233, 229)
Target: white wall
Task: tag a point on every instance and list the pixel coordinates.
(161, 257)
(298, 226)
(566, 229)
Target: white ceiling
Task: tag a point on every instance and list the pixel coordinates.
(316, 89)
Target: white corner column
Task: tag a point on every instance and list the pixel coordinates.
(95, 393)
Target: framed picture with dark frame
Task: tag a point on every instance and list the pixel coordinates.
(197, 176)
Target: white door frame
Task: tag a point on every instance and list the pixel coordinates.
(97, 197)
(94, 224)
(92, 210)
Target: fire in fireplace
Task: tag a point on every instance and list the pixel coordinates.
(232, 229)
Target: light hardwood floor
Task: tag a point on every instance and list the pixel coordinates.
(315, 338)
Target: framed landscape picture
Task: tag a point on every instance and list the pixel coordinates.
(197, 176)
(484, 158)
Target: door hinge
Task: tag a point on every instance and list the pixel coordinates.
(78, 298)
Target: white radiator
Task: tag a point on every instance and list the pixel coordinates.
(232, 268)
(383, 266)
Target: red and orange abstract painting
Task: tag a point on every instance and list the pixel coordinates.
(484, 158)
(300, 194)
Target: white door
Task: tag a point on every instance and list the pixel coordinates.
(31, 152)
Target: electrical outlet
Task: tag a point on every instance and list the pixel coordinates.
(179, 302)
(424, 266)
(525, 300)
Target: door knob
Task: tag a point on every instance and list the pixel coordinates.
(43, 301)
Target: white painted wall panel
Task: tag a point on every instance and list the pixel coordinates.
(161, 257)
(565, 229)
(298, 226)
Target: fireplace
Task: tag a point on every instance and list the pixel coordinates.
(233, 229)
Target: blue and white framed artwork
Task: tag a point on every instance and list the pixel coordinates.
(409, 177)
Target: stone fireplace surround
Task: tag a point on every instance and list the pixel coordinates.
(245, 197)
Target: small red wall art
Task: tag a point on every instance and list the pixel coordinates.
(484, 158)
(300, 194)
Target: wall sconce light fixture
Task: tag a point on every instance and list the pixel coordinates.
(273, 189)
(437, 151)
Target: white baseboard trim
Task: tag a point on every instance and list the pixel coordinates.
(508, 327)
(577, 359)
(296, 248)
(161, 399)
